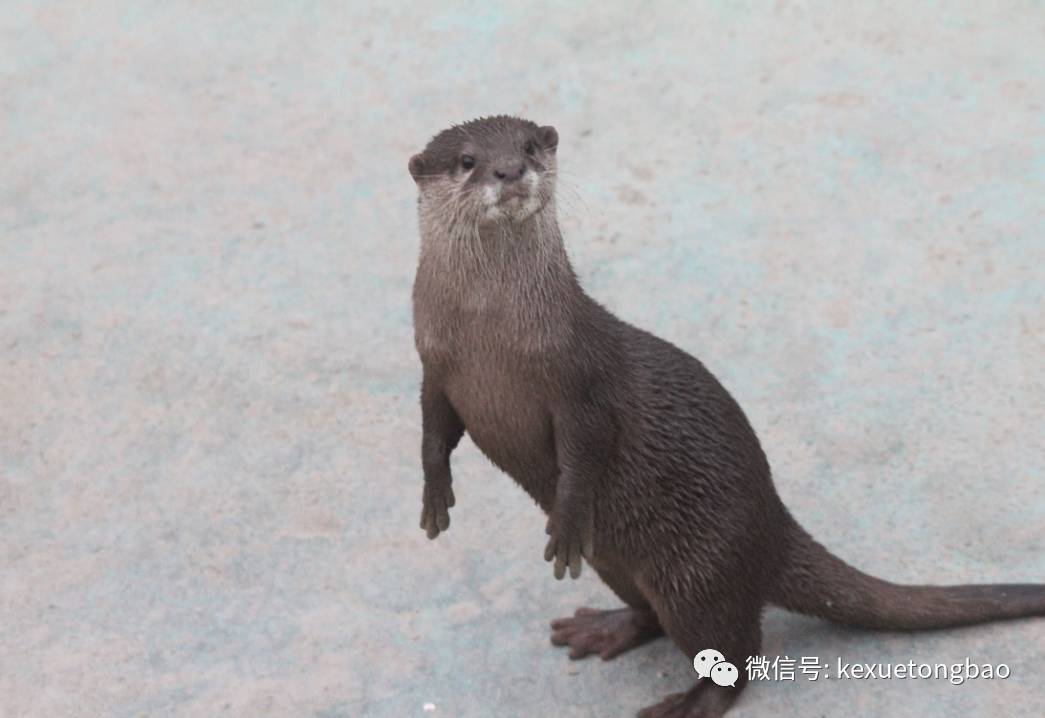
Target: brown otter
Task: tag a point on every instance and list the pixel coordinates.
(643, 462)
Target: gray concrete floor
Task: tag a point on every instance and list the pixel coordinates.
(209, 478)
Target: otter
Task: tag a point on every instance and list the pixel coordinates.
(644, 464)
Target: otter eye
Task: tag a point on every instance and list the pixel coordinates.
(531, 148)
(467, 162)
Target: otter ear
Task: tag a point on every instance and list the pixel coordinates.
(417, 167)
(549, 137)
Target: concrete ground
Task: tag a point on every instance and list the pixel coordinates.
(209, 426)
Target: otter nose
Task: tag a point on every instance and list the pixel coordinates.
(509, 170)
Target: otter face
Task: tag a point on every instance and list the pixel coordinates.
(493, 169)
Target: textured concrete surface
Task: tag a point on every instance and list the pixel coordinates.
(209, 476)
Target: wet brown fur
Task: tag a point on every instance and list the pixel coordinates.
(640, 457)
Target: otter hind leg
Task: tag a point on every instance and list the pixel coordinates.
(704, 700)
(736, 635)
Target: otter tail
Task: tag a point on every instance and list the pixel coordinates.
(815, 582)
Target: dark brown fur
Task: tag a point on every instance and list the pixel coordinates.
(641, 459)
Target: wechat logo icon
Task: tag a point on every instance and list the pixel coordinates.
(709, 663)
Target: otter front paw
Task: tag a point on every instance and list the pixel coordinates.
(570, 540)
(436, 500)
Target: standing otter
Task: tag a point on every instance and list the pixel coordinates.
(643, 462)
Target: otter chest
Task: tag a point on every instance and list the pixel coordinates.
(505, 412)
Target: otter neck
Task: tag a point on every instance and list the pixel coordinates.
(505, 253)
(514, 277)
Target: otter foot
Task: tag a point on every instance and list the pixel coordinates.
(703, 701)
(436, 501)
(608, 633)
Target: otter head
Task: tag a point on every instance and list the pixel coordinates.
(491, 170)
